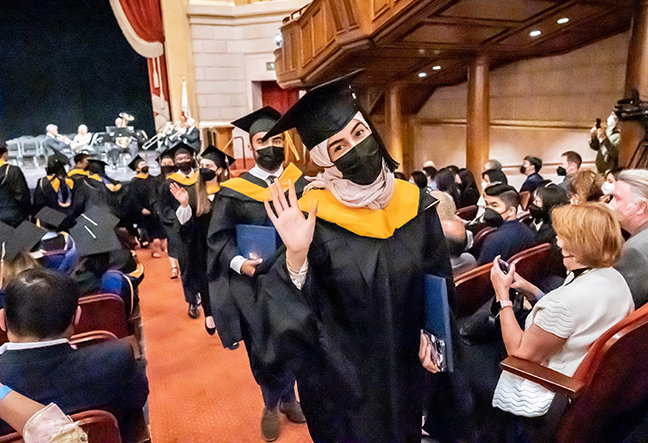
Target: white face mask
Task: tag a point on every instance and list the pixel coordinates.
(484, 184)
(607, 188)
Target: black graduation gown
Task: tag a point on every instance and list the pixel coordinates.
(47, 194)
(91, 190)
(141, 195)
(193, 251)
(240, 201)
(352, 333)
(15, 199)
(166, 207)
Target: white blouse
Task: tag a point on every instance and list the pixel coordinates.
(581, 310)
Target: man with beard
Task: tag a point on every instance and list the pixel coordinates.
(240, 202)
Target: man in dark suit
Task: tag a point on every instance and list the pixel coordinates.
(191, 136)
(40, 311)
(56, 143)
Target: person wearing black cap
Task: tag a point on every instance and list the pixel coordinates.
(167, 167)
(16, 245)
(344, 303)
(240, 202)
(142, 196)
(186, 177)
(193, 215)
(55, 190)
(15, 199)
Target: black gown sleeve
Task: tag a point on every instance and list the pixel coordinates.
(18, 184)
(40, 199)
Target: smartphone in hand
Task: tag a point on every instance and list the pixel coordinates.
(598, 123)
(505, 267)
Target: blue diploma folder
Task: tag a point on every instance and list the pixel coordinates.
(256, 242)
(437, 315)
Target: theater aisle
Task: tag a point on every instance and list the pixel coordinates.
(200, 392)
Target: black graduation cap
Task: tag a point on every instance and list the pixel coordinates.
(321, 113)
(180, 148)
(57, 157)
(221, 159)
(133, 164)
(167, 153)
(94, 235)
(94, 214)
(24, 237)
(261, 120)
(51, 218)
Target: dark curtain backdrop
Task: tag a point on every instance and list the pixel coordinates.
(67, 62)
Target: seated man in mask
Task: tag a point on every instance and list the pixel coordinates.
(511, 236)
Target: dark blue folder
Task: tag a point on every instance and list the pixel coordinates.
(256, 241)
(437, 314)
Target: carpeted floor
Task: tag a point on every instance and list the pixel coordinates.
(200, 392)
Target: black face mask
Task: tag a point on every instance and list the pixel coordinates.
(536, 212)
(493, 218)
(363, 163)
(269, 158)
(144, 170)
(168, 169)
(207, 174)
(561, 171)
(455, 246)
(184, 166)
(522, 169)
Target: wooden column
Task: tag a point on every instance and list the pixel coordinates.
(223, 138)
(397, 129)
(478, 118)
(632, 133)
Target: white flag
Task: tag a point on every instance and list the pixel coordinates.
(186, 114)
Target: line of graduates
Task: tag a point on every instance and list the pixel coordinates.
(337, 305)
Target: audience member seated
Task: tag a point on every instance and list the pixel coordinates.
(419, 179)
(511, 236)
(565, 322)
(455, 234)
(584, 186)
(445, 182)
(468, 192)
(531, 168)
(546, 198)
(492, 176)
(40, 311)
(570, 163)
(492, 164)
(608, 185)
(631, 204)
(430, 174)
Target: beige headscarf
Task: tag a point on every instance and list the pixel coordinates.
(376, 195)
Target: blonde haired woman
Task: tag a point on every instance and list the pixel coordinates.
(566, 321)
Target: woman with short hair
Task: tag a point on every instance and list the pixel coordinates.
(566, 321)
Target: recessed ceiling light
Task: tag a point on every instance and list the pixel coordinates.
(436, 68)
(421, 51)
(535, 33)
(422, 74)
(562, 21)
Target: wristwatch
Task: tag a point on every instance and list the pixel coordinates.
(501, 304)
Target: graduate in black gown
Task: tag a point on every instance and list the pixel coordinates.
(97, 189)
(344, 304)
(142, 196)
(15, 199)
(167, 167)
(185, 177)
(55, 190)
(194, 215)
(240, 202)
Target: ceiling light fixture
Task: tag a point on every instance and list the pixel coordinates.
(436, 68)
(562, 21)
(535, 33)
(422, 74)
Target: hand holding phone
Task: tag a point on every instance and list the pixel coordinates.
(598, 123)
